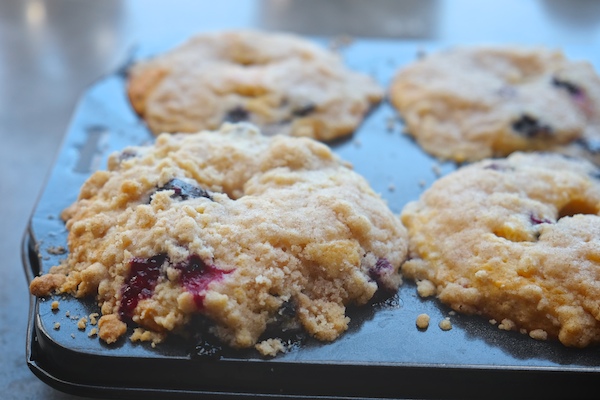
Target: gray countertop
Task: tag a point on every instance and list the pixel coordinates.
(50, 51)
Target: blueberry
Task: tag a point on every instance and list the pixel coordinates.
(535, 220)
(381, 268)
(140, 282)
(305, 110)
(573, 89)
(237, 114)
(530, 127)
(183, 190)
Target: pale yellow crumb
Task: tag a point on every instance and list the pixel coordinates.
(423, 321)
(56, 326)
(82, 323)
(93, 332)
(445, 324)
(270, 347)
(94, 318)
(538, 334)
(506, 324)
(55, 305)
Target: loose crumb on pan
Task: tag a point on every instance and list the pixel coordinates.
(55, 304)
(506, 325)
(93, 332)
(445, 324)
(423, 321)
(538, 334)
(82, 323)
(56, 326)
(143, 335)
(94, 318)
(270, 347)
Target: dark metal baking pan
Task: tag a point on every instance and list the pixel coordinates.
(382, 355)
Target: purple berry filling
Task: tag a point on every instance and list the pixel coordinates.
(535, 220)
(530, 127)
(144, 274)
(378, 272)
(140, 283)
(183, 190)
(196, 276)
(237, 114)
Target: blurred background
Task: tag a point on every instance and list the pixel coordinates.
(50, 51)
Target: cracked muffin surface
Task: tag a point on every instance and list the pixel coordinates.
(516, 240)
(281, 82)
(250, 231)
(473, 102)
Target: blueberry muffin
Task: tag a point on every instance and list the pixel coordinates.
(280, 82)
(516, 240)
(470, 103)
(252, 232)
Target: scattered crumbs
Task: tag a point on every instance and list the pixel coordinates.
(425, 288)
(56, 250)
(93, 332)
(82, 323)
(390, 124)
(55, 305)
(270, 347)
(423, 321)
(340, 41)
(538, 334)
(452, 312)
(94, 318)
(445, 324)
(143, 335)
(506, 324)
(56, 326)
(437, 170)
(391, 187)
(357, 143)
(493, 321)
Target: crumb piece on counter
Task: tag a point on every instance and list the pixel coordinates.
(56, 326)
(425, 288)
(493, 321)
(94, 318)
(110, 328)
(445, 324)
(506, 325)
(93, 332)
(538, 334)
(143, 335)
(82, 323)
(55, 304)
(270, 347)
(390, 123)
(56, 250)
(437, 170)
(423, 321)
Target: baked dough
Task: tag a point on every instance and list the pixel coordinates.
(516, 240)
(247, 230)
(283, 83)
(470, 103)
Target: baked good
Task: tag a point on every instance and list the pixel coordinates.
(516, 240)
(280, 82)
(247, 230)
(473, 102)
